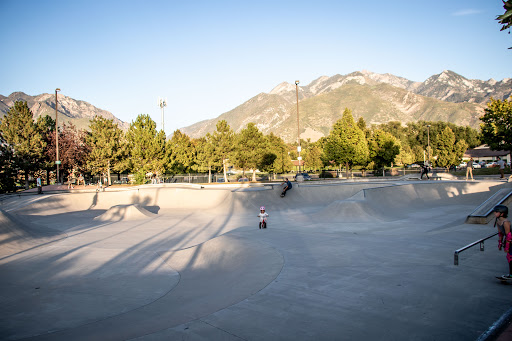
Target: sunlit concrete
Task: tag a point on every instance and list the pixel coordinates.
(338, 261)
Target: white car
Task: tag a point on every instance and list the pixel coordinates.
(476, 165)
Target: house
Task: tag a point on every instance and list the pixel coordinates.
(297, 164)
(484, 153)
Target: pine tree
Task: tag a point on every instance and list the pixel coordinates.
(448, 151)
(182, 153)
(251, 145)
(346, 143)
(21, 134)
(145, 148)
(105, 141)
(220, 146)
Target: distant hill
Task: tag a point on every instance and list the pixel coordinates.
(70, 110)
(378, 98)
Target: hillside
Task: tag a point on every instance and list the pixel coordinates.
(69, 110)
(375, 97)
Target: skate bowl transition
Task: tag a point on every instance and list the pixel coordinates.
(338, 261)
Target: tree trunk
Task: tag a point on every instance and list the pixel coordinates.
(109, 182)
(254, 175)
(225, 172)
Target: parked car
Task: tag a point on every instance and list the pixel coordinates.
(220, 180)
(305, 176)
(414, 165)
(243, 180)
(477, 165)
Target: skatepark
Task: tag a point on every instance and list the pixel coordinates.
(339, 261)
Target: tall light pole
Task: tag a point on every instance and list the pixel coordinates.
(298, 129)
(162, 103)
(428, 143)
(57, 161)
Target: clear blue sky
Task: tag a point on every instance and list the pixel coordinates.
(207, 57)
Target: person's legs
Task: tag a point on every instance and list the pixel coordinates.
(509, 259)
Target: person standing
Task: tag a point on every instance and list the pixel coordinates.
(501, 163)
(503, 225)
(424, 171)
(39, 185)
(469, 169)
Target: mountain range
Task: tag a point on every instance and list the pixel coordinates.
(69, 110)
(377, 98)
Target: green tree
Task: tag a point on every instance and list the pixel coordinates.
(7, 170)
(405, 157)
(313, 158)
(145, 148)
(448, 151)
(282, 162)
(383, 147)
(19, 131)
(220, 147)
(105, 141)
(346, 143)
(182, 153)
(506, 18)
(497, 125)
(251, 146)
(46, 125)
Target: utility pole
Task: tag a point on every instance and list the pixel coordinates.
(57, 161)
(298, 129)
(162, 103)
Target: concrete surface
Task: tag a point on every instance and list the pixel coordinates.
(338, 261)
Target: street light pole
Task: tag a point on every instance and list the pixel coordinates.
(57, 162)
(162, 103)
(298, 129)
(428, 143)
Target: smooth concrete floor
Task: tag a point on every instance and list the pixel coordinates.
(344, 261)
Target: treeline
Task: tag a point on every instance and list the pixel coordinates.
(28, 148)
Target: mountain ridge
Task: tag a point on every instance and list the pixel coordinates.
(69, 110)
(378, 98)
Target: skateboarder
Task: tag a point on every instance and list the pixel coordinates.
(263, 217)
(287, 187)
(424, 171)
(505, 236)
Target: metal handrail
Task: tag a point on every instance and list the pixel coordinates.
(480, 241)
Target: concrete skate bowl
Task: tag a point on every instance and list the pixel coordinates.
(400, 201)
(140, 273)
(349, 201)
(17, 234)
(160, 198)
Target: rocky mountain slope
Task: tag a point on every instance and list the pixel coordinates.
(69, 110)
(378, 98)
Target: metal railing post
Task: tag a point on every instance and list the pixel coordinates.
(481, 242)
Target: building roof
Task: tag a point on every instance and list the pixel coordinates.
(484, 151)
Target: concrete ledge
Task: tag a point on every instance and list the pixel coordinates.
(483, 213)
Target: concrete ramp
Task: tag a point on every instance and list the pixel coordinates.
(125, 212)
(483, 213)
(17, 235)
